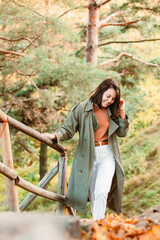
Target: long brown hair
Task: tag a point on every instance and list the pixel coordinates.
(97, 94)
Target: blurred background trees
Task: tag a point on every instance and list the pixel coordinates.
(53, 53)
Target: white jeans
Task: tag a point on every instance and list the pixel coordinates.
(101, 180)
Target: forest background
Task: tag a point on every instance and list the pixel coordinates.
(49, 62)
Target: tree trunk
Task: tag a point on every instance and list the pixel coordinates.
(92, 32)
(48, 5)
(43, 160)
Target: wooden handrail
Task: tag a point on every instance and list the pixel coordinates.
(29, 186)
(62, 180)
(31, 132)
(36, 190)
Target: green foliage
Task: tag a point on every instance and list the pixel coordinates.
(133, 103)
(137, 150)
(127, 69)
(25, 150)
(156, 71)
(141, 154)
(152, 27)
(109, 32)
(42, 65)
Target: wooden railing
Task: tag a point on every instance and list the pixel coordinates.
(12, 180)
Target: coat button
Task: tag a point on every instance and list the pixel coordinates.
(82, 155)
(81, 171)
(85, 139)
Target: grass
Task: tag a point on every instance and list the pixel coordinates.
(3, 196)
(142, 170)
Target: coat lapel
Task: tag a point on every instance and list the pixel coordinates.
(89, 108)
(112, 125)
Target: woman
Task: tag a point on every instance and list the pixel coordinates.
(96, 171)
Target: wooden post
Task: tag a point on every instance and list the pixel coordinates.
(8, 161)
(43, 160)
(62, 180)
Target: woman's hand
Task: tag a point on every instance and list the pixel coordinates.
(51, 136)
(121, 104)
(122, 108)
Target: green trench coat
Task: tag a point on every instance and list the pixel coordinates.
(82, 119)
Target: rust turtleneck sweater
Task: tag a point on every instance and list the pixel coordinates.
(101, 133)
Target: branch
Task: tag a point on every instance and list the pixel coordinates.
(16, 104)
(32, 42)
(116, 59)
(82, 26)
(11, 52)
(19, 88)
(139, 41)
(105, 24)
(17, 40)
(21, 5)
(79, 7)
(24, 74)
(15, 90)
(24, 6)
(148, 9)
(106, 20)
(28, 99)
(103, 3)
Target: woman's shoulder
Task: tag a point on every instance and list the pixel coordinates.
(83, 105)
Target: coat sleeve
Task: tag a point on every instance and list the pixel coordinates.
(123, 126)
(70, 126)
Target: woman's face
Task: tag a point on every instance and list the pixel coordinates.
(108, 97)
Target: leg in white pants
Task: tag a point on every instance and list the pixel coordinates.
(101, 180)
